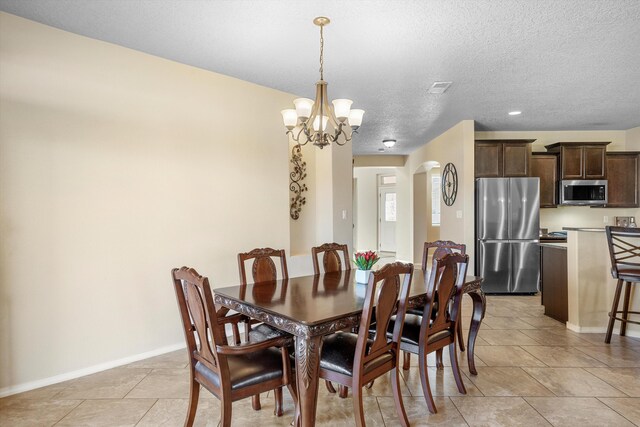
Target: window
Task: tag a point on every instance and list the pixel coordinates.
(435, 199)
(388, 180)
(390, 207)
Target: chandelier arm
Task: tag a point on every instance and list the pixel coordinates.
(296, 137)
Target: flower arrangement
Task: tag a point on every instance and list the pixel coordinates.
(365, 260)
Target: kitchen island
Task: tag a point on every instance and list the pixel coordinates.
(590, 287)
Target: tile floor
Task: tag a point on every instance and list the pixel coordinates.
(531, 371)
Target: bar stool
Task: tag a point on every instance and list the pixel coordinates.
(624, 248)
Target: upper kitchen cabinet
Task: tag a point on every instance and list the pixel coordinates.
(545, 167)
(581, 160)
(623, 173)
(499, 158)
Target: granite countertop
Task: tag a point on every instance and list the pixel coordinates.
(589, 229)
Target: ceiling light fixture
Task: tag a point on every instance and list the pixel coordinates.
(307, 114)
(389, 142)
(515, 113)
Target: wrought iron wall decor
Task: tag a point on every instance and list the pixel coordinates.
(297, 187)
(449, 184)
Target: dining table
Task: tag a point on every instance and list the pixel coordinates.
(311, 307)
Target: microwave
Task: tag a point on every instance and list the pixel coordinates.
(583, 192)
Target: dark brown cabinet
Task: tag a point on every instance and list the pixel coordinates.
(581, 160)
(545, 167)
(503, 158)
(623, 173)
(553, 273)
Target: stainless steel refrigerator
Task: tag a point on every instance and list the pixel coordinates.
(507, 232)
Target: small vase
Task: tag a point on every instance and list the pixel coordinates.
(362, 276)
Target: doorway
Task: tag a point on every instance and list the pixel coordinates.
(387, 215)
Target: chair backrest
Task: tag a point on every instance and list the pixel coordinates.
(263, 268)
(199, 318)
(331, 259)
(444, 288)
(624, 248)
(440, 248)
(388, 292)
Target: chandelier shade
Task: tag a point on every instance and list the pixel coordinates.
(303, 122)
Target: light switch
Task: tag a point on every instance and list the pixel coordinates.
(458, 214)
(605, 219)
(344, 214)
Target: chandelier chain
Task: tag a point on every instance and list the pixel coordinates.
(321, 52)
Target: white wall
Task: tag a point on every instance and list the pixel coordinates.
(367, 199)
(577, 216)
(433, 231)
(116, 166)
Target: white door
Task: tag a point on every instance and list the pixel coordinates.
(387, 219)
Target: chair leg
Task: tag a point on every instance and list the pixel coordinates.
(406, 360)
(424, 380)
(329, 386)
(194, 393)
(453, 355)
(625, 309)
(225, 415)
(247, 329)
(612, 314)
(236, 333)
(278, 411)
(397, 397)
(358, 410)
(439, 363)
(460, 336)
(343, 391)
(255, 402)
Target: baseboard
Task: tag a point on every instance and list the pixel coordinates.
(31, 385)
(599, 330)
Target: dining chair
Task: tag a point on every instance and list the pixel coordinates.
(434, 250)
(355, 360)
(230, 373)
(330, 257)
(624, 250)
(263, 273)
(331, 263)
(437, 327)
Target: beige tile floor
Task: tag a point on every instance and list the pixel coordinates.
(531, 371)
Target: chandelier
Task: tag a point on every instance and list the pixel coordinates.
(311, 118)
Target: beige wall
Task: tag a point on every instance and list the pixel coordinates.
(577, 216)
(633, 139)
(303, 229)
(542, 138)
(116, 166)
(420, 214)
(456, 145)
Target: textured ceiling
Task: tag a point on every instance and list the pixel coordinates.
(566, 64)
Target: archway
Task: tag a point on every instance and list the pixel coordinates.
(426, 206)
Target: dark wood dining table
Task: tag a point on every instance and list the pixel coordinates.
(311, 307)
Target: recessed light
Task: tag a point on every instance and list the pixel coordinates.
(515, 113)
(389, 142)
